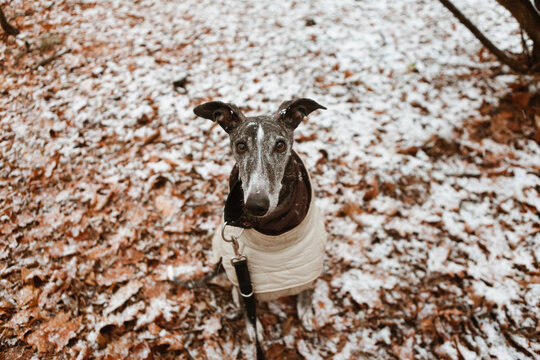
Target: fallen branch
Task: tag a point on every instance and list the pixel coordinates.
(51, 58)
(501, 55)
(8, 29)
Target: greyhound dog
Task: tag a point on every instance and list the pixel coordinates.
(271, 198)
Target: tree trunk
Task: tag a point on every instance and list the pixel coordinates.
(528, 18)
(10, 30)
(500, 54)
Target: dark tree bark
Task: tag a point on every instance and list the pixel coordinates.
(8, 29)
(528, 18)
(526, 15)
(504, 57)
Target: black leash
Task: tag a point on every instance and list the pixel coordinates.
(239, 262)
(246, 290)
(242, 274)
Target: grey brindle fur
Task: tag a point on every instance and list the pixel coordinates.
(261, 146)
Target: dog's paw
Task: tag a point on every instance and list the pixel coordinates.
(304, 309)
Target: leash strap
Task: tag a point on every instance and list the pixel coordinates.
(246, 290)
(239, 262)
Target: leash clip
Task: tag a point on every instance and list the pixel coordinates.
(234, 242)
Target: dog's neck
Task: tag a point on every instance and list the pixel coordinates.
(293, 204)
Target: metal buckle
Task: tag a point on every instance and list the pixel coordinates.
(244, 295)
(238, 258)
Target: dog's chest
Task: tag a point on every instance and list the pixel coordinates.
(278, 265)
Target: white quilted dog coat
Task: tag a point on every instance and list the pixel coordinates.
(279, 265)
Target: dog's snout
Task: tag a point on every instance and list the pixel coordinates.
(257, 204)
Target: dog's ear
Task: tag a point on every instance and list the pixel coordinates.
(292, 112)
(228, 116)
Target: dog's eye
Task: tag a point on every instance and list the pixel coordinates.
(280, 146)
(241, 147)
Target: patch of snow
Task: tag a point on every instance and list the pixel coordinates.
(122, 295)
(363, 287)
(159, 306)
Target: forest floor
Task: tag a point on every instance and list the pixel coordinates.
(426, 165)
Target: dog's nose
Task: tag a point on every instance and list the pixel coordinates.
(257, 204)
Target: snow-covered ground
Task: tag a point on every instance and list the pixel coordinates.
(108, 180)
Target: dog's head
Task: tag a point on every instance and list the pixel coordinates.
(261, 146)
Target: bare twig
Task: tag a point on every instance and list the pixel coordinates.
(8, 29)
(501, 55)
(51, 58)
(525, 47)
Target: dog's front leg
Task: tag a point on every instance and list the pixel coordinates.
(251, 331)
(304, 308)
(237, 298)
